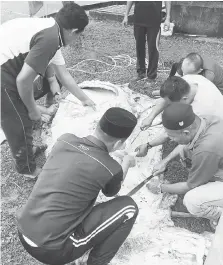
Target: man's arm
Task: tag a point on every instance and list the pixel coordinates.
(67, 81)
(167, 20)
(177, 188)
(128, 7)
(209, 75)
(168, 10)
(158, 108)
(24, 82)
(161, 166)
(204, 167)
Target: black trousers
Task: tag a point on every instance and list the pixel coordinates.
(16, 124)
(102, 232)
(152, 34)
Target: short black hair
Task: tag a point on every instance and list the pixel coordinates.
(174, 88)
(72, 16)
(196, 59)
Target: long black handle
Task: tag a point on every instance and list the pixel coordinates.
(138, 187)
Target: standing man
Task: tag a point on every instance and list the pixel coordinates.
(202, 140)
(35, 52)
(59, 222)
(147, 20)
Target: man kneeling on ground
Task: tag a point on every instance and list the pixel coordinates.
(202, 153)
(59, 222)
(194, 63)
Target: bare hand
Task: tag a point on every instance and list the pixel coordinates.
(125, 21)
(89, 103)
(35, 114)
(154, 186)
(146, 123)
(52, 110)
(166, 25)
(142, 150)
(159, 168)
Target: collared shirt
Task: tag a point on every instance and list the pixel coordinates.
(206, 152)
(34, 41)
(65, 192)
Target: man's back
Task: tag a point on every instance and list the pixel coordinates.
(208, 99)
(209, 65)
(66, 190)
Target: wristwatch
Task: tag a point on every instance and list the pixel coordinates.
(149, 146)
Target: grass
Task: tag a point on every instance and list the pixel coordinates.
(109, 39)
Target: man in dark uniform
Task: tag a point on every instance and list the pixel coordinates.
(59, 222)
(147, 20)
(194, 63)
(30, 46)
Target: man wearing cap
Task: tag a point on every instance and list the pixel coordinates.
(200, 146)
(29, 53)
(59, 222)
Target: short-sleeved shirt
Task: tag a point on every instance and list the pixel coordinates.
(65, 192)
(35, 41)
(208, 99)
(148, 13)
(206, 152)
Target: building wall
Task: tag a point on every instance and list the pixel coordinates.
(202, 18)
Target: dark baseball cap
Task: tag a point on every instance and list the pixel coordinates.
(178, 116)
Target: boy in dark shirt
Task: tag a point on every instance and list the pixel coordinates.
(59, 222)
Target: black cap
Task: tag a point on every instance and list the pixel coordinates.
(118, 122)
(178, 116)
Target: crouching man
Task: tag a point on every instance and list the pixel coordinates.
(202, 153)
(59, 222)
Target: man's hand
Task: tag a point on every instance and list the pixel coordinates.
(52, 110)
(125, 21)
(154, 186)
(166, 25)
(35, 114)
(146, 123)
(159, 168)
(142, 150)
(89, 103)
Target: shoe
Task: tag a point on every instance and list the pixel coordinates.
(34, 175)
